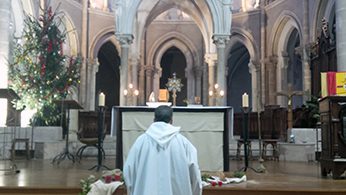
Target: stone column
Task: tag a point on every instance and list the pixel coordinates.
(85, 54)
(157, 73)
(134, 72)
(220, 42)
(340, 14)
(210, 59)
(198, 71)
(271, 76)
(141, 86)
(205, 84)
(125, 40)
(149, 70)
(5, 18)
(93, 69)
(253, 71)
(282, 85)
(306, 56)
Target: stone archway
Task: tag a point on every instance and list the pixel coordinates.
(108, 74)
(173, 61)
(286, 45)
(192, 61)
(244, 41)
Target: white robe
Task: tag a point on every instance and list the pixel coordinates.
(162, 162)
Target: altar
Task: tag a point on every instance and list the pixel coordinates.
(208, 129)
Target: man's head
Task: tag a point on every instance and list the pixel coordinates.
(163, 114)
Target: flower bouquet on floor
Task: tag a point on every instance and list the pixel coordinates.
(219, 178)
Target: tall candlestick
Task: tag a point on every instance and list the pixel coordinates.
(102, 99)
(245, 100)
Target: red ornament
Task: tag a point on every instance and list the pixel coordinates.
(43, 69)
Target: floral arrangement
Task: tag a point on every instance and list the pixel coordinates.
(86, 184)
(221, 178)
(107, 177)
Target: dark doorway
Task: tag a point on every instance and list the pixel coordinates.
(239, 78)
(173, 61)
(108, 75)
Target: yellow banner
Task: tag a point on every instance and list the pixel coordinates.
(340, 83)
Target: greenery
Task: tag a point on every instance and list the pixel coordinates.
(40, 73)
(86, 184)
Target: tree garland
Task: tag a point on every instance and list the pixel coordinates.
(40, 72)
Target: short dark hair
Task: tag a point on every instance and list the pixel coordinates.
(163, 114)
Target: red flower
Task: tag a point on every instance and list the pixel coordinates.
(108, 179)
(220, 183)
(117, 178)
(213, 183)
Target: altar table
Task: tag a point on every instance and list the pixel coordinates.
(206, 127)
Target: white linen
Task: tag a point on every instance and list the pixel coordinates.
(162, 162)
(203, 129)
(100, 188)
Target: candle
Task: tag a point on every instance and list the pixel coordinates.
(211, 93)
(222, 93)
(102, 99)
(245, 100)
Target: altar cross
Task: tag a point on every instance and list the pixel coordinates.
(289, 94)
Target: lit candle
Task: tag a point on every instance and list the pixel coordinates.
(222, 93)
(216, 86)
(130, 85)
(210, 93)
(125, 92)
(136, 92)
(102, 99)
(245, 100)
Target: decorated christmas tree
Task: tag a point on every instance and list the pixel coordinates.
(40, 72)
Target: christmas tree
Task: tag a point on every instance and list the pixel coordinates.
(40, 72)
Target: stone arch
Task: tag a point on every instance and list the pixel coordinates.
(72, 43)
(104, 36)
(323, 9)
(286, 24)
(186, 47)
(245, 38)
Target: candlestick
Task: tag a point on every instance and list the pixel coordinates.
(102, 99)
(245, 100)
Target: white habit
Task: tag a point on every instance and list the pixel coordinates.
(162, 162)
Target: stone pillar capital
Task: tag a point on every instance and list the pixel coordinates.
(198, 70)
(220, 40)
(124, 39)
(210, 58)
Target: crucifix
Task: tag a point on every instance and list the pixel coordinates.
(289, 94)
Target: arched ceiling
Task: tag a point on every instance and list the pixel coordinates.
(197, 10)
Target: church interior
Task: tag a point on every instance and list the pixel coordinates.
(256, 85)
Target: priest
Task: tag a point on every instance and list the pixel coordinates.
(162, 161)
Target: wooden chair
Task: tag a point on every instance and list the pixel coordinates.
(88, 132)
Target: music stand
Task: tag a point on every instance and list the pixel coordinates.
(66, 105)
(9, 94)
